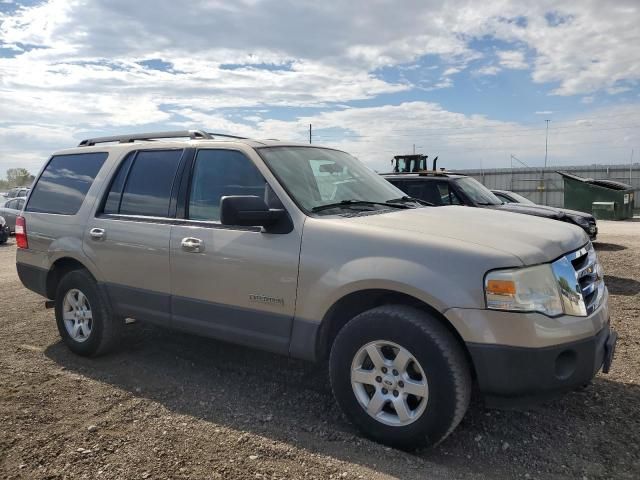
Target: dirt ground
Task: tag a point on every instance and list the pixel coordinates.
(169, 405)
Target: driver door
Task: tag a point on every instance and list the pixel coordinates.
(233, 283)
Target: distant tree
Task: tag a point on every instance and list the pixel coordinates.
(19, 177)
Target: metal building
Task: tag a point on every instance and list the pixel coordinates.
(546, 187)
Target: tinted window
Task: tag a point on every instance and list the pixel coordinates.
(219, 173)
(504, 198)
(10, 204)
(424, 190)
(65, 182)
(148, 187)
(477, 192)
(447, 196)
(112, 204)
(19, 204)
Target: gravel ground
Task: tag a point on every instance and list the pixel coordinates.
(169, 405)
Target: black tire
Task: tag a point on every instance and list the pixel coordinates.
(436, 350)
(106, 328)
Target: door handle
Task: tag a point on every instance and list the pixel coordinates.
(97, 233)
(191, 244)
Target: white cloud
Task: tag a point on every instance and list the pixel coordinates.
(487, 70)
(76, 65)
(375, 134)
(544, 112)
(513, 59)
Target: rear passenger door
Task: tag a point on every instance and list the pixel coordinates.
(233, 283)
(128, 239)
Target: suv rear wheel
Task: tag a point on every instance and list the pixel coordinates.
(83, 315)
(400, 376)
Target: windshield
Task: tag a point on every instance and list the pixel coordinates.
(477, 192)
(316, 177)
(521, 199)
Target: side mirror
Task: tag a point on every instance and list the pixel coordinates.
(252, 211)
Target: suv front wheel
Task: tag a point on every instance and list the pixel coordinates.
(83, 315)
(400, 376)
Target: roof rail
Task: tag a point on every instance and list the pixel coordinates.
(226, 135)
(192, 134)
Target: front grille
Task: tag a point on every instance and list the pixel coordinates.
(579, 276)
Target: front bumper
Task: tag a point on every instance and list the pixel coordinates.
(508, 372)
(528, 355)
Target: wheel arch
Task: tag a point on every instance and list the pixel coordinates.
(360, 301)
(59, 269)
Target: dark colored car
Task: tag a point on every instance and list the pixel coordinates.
(444, 188)
(4, 231)
(511, 197)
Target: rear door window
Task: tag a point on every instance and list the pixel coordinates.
(112, 203)
(424, 190)
(148, 187)
(64, 183)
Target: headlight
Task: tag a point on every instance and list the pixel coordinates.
(531, 289)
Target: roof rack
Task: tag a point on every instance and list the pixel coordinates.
(226, 136)
(192, 134)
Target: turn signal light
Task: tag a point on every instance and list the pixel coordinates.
(501, 287)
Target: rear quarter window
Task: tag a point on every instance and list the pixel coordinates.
(64, 184)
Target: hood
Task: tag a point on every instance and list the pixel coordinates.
(533, 240)
(576, 213)
(546, 212)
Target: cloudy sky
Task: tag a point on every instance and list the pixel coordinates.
(470, 81)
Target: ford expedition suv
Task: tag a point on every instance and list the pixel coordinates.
(306, 252)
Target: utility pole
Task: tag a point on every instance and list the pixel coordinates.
(546, 152)
(309, 134)
(630, 166)
(546, 144)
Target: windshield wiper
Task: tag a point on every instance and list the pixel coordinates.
(406, 198)
(350, 203)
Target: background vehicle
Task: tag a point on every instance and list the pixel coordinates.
(4, 231)
(11, 210)
(447, 188)
(304, 251)
(511, 197)
(17, 192)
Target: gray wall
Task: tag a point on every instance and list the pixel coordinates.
(546, 187)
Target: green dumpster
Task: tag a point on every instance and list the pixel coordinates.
(605, 199)
(604, 210)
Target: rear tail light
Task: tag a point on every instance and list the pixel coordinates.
(21, 233)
